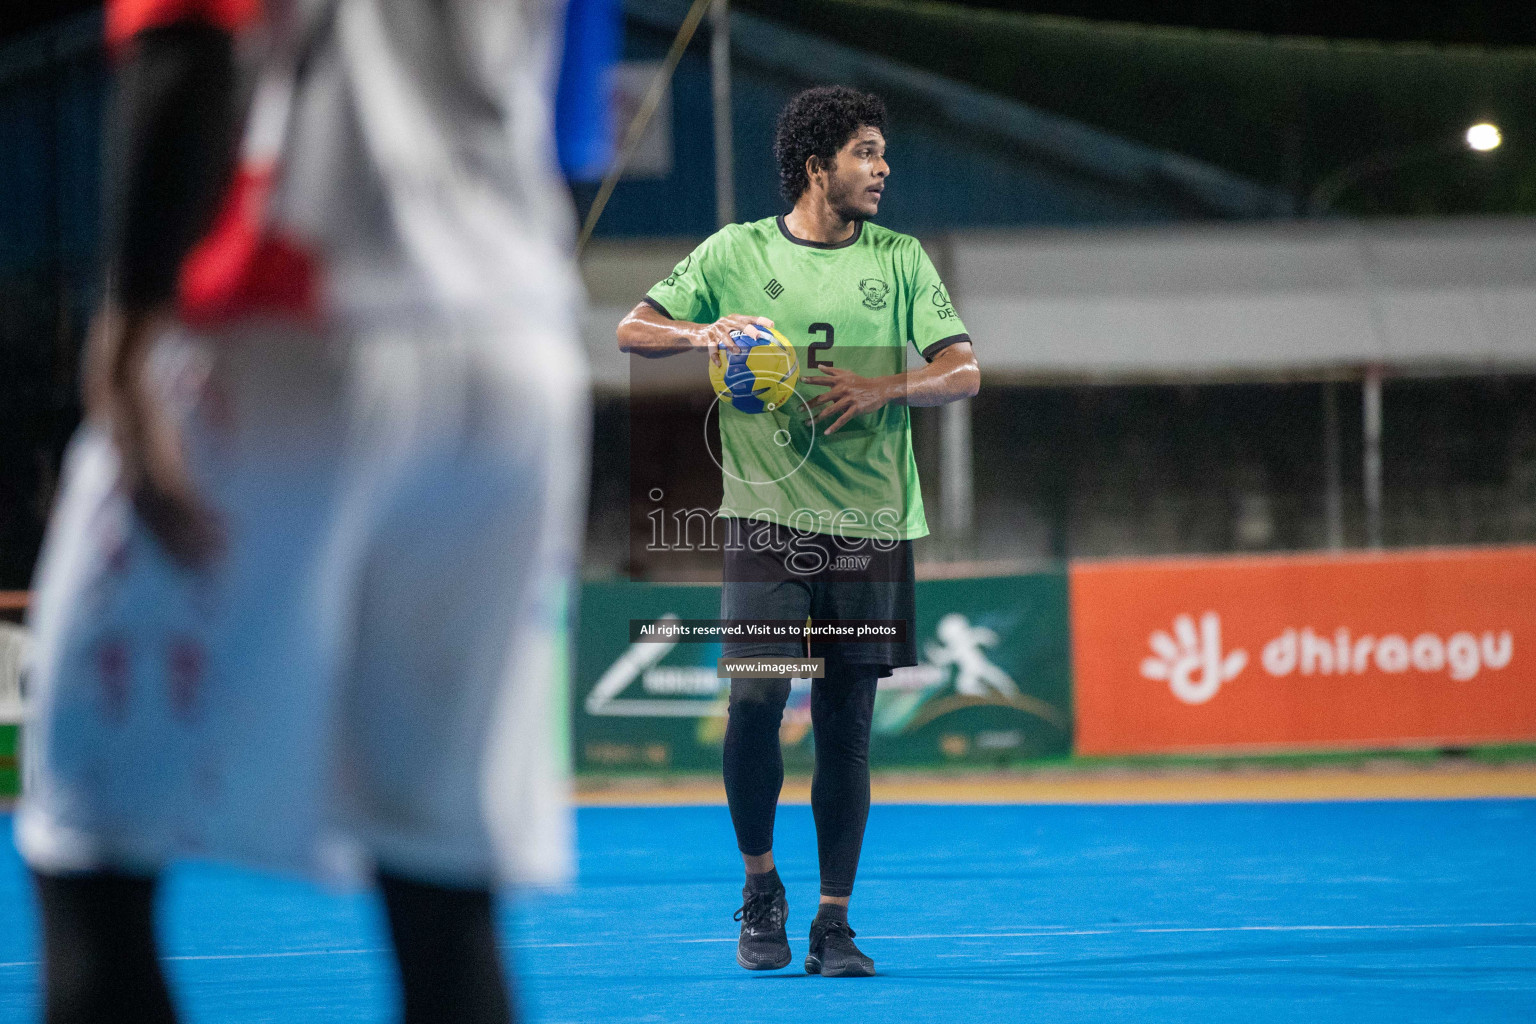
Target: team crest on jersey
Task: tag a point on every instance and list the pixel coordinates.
(875, 291)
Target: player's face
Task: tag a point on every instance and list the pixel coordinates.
(858, 176)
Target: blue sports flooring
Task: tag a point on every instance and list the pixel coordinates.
(1409, 911)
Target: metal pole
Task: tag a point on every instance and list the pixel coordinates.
(637, 125)
(1372, 465)
(720, 88)
(957, 498)
(1333, 468)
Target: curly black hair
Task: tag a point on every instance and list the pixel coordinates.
(818, 122)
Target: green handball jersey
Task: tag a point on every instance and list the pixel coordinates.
(854, 305)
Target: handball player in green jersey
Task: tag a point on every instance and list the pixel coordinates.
(821, 499)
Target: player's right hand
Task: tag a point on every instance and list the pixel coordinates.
(151, 451)
(717, 336)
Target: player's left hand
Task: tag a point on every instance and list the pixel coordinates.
(848, 394)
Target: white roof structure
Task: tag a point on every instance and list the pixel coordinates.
(1252, 300)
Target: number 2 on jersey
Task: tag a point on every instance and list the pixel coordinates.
(811, 362)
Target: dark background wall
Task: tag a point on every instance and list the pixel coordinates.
(1283, 110)
(51, 89)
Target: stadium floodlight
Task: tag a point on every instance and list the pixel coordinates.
(1484, 137)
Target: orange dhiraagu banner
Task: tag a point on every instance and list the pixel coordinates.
(1390, 649)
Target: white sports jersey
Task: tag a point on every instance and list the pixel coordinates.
(386, 407)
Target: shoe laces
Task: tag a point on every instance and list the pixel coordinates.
(830, 928)
(759, 907)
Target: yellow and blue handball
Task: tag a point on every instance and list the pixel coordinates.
(759, 378)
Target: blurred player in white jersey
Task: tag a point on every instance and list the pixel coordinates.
(301, 600)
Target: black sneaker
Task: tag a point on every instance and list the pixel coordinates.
(833, 954)
(763, 945)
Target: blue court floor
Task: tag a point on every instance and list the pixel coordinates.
(1350, 912)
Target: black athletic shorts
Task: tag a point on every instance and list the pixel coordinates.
(772, 572)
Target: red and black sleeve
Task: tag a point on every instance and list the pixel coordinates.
(171, 135)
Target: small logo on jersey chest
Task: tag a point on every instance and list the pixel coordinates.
(773, 288)
(875, 291)
(941, 301)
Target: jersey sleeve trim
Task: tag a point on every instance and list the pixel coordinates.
(658, 307)
(944, 343)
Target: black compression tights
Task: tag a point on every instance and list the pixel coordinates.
(100, 962)
(841, 712)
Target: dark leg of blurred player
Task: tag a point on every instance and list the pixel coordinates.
(445, 944)
(842, 707)
(100, 961)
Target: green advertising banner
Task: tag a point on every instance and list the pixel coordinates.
(993, 686)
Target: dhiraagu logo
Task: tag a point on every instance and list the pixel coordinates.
(1195, 665)
(1191, 660)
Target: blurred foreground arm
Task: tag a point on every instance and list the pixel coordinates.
(170, 135)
